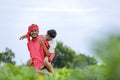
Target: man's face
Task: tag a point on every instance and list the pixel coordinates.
(33, 34)
(48, 38)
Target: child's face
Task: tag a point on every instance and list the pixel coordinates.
(33, 33)
(48, 38)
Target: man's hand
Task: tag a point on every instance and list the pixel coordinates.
(22, 37)
(29, 62)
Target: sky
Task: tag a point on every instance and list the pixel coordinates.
(77, 22)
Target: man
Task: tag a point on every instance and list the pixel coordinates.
(41, 48)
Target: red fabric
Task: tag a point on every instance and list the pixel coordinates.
(50, 58)
(31, 27)
(37, 53)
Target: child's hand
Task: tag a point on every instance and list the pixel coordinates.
(42, 43)
(22, 37)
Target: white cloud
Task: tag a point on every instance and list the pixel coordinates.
(50, 9)
(61, 9)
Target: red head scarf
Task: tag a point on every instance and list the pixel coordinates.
(31, 27)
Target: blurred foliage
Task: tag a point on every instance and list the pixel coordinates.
(108, 50)
(11, 72)
(94, 72)
(7, 57)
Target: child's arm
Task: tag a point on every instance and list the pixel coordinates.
(45, 48)
(22, 37)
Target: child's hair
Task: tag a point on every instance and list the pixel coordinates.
(52, 33)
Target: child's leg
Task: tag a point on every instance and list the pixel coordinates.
(48, 65)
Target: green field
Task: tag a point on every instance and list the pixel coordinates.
(11, 72)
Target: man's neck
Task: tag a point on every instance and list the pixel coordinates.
(33, 38)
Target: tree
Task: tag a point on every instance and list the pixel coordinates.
(7, 56)
(82, 61)
(64, 56)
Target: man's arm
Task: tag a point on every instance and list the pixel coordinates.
(45, 48)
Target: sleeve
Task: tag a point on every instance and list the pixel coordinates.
(52, 46)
